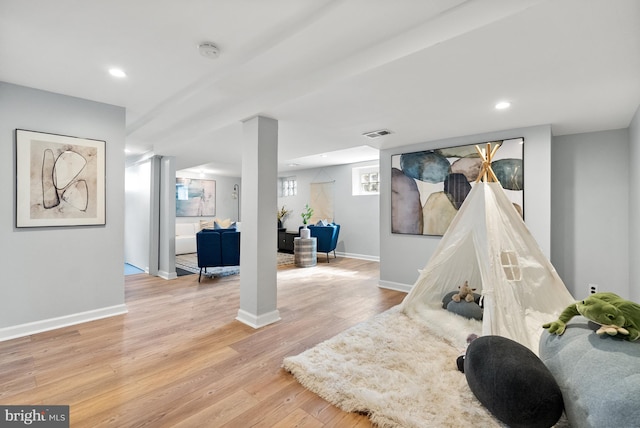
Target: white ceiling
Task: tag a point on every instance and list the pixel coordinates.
(329, 70)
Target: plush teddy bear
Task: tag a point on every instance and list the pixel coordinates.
(465, 293)
(614, 314)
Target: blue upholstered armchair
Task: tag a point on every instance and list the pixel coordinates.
(327, 237)
(217, 247)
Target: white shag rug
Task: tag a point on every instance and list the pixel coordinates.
(397, 371)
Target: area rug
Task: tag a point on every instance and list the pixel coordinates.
(189, 263)
(285, 258)
(397, 371)
(182, 272)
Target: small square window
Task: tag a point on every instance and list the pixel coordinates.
(288, 186)
(510, 265)
(366, 180)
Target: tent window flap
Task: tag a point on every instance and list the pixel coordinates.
(510, 265)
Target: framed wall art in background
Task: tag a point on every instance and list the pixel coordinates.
(428, 187)
(195, 197)
(60, 180)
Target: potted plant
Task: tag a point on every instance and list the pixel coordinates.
(281, 215)
(306, 215)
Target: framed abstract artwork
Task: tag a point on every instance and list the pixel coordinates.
(195, 197)
(60, 180)
(428, 187)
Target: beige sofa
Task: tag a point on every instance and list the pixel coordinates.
(186, 233)
(186, 237)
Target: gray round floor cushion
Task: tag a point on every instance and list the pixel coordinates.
(512, 383)
(463, 308)
(447, 298)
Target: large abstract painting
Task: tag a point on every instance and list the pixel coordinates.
(60, 180)
(195, 198)
(428, 187)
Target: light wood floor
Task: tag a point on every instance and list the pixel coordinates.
(179, 358)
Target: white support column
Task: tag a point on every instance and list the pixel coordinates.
(258, 259)
(154, 215)
(166, 249)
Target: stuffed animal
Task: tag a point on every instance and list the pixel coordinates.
(465, 293)
(615, 315)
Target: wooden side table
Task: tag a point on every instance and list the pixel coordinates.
(304, 252)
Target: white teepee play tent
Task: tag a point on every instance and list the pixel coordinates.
(489, 245)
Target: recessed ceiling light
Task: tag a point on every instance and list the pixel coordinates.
(117, 72)
(503, 105)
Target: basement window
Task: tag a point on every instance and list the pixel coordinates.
(288, 186)
(365, 180)
(510, 265)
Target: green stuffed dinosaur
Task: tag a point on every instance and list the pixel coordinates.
(612, 312)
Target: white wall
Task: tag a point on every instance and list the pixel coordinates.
(137, 214)
(590, 200)
(634, 208)
(358, 216)
(60, 275)
(402, 255)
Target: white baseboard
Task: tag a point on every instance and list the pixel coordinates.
(354, 256)
(395, 286)
(167, 275)
(258, 321)
(13, 332)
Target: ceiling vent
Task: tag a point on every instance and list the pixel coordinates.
(376, 134)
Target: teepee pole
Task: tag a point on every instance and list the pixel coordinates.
(493, 152)
(486, 173)
(493, 176)
(495, 149)
(484, 164)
